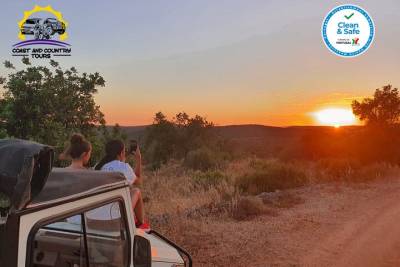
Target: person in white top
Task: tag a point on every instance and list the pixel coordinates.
(114, 160)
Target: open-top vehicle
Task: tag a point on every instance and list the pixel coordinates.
(65, 218)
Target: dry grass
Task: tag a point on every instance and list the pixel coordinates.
(281, 199)
(197, 208)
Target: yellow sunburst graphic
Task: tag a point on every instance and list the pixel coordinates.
(36, 9)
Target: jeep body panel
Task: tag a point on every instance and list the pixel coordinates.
(162, 253)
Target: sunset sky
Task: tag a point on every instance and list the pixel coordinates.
(233, 61)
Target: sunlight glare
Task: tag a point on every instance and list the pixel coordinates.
(335, 117)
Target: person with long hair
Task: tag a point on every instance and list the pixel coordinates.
(114, 160)
(78, 151)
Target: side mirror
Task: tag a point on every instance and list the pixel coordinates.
(141, 252)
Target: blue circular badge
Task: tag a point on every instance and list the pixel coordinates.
(348, 31)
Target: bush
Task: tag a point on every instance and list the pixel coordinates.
(257, 163)
(271, 176)
(373, 172)
(335, 169)
(201, 159)
(353, 171)
(168, 139)
(209, 178)
(249, 207)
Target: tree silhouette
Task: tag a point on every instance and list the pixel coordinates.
(381, 113)
(381, 110)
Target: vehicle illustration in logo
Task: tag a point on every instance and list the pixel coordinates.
(42, 33)
(42, 28)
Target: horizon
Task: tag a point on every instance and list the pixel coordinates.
(263, 125)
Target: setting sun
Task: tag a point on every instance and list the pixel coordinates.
(335, 117)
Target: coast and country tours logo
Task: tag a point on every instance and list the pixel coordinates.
(348, 31)
(38, 31)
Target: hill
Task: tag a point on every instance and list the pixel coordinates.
(260, 140)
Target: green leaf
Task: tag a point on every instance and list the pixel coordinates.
(8, 65)
(26, 61)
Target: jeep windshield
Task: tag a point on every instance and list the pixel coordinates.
(32, 21)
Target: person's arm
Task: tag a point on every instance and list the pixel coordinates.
(138, 167)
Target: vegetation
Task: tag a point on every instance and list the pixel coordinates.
(249, 207)
(381, 110)
(196, 208)
(209, 179)
(270, 176)
(48, 104)
(201, 159)
(183, 137)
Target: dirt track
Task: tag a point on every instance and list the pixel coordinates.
(337, 225)
(368, 236)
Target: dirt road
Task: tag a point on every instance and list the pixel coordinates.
(368, 236)
(337, 225)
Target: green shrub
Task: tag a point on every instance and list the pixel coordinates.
(270, 177)
(209, 178)
(201, 159)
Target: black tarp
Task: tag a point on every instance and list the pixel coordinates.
(24, 169)
(66, 182)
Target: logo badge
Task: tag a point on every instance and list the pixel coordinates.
(348, 31)
(38, 31)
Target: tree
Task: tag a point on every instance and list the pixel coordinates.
(48, 104)
(381, 110)
(160, 141)
(194, 133)
(379, 141)
(114, 132)
(166, 139)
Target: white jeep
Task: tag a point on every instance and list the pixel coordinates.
(76, 219)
